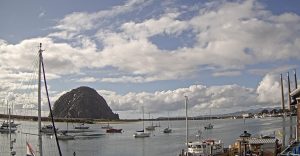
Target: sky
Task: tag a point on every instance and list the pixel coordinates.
(226, 56)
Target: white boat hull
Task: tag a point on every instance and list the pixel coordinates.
(141, 135)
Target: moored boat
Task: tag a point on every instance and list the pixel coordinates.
(141, 134)
(65, 136)
(167, 130)
(7, 129)
(81, 126)
(209, 126)
(12, 124)
(205, 147)
(113, 130)
(150, 128)
(48, 129)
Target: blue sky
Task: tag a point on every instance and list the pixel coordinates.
(224, 55)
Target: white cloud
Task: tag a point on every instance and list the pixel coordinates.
(76, 22)
(228, 37)
(269, 89)
(277, 70)
(227, 73)
(219, 98)
(87, 79)
(166, 24)
(42, 14)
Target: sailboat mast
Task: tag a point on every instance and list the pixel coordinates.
(143, 119)
(168, 120)
(7, 109)
(39, 103)
(283, 110)
(9, 120)
(295, 76)
(186, 120)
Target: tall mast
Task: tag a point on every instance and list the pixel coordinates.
(39, 103)
(7, 109)
(282, 94)
(10, 143)
(290, 107)
(289, 91)
(186, 120)
(283, 110)
(295, 76)
(168, 120)
(143, 119)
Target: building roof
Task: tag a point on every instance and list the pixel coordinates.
(262, 141)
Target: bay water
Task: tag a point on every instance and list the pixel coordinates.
(227, 130)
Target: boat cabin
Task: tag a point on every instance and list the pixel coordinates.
(205, 148)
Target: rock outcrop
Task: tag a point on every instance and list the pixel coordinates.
(83, 102)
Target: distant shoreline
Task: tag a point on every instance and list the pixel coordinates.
(113, 121)
(75, 120)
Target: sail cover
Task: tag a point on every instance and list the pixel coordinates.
(30, 151)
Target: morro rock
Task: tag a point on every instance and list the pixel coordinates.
(83, 102)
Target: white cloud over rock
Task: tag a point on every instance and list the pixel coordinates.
(226, 98)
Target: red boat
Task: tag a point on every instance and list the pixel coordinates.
(112, 130)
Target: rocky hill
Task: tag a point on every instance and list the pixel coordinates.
(83, 102)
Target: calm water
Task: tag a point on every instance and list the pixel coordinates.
(126, 145)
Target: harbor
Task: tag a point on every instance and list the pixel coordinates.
(159, 143)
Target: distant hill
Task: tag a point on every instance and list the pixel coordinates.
(238, 113)
(253, 111)
(83, 102)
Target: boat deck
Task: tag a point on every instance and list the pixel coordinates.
(293, 149)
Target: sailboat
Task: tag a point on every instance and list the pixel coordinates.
(12, 123)
(8, 128)
(150, 127)
(106, 126)
(168, 129)
(63, 135)
(210, 125)
(48, 129)
(81, 126)
(141, 133)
